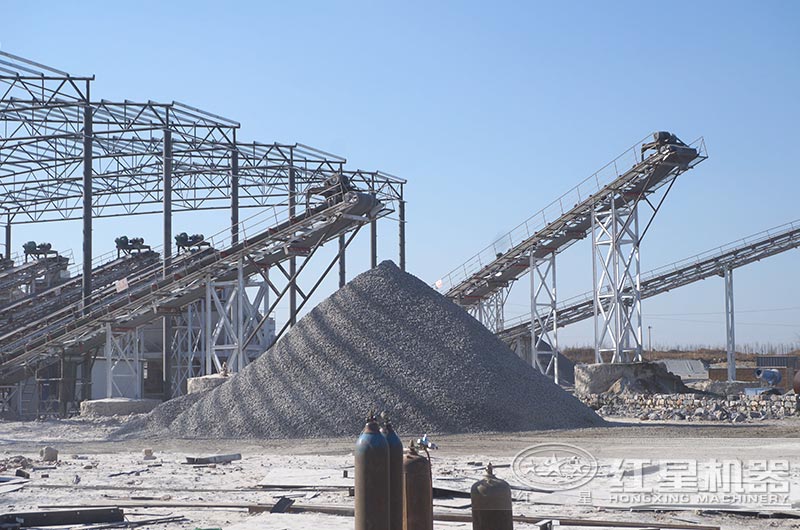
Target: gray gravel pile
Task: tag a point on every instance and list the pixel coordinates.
(386, 341)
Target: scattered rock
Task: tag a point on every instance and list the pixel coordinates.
(48, 454)
(738, 417)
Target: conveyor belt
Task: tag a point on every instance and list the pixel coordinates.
(21, 317)
(711, 263)
(14, 278)
(546, 232)
(153, 294)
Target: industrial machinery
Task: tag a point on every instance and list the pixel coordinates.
(79, 158)
(126, 245)
(333, 189)
(615, 207)
(714, 262)
(187, 243)
(42, 250)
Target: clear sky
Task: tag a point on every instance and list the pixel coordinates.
(490, 110)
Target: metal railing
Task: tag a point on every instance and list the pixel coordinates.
(688, 270)
(554, 211)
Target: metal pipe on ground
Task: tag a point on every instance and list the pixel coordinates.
(349, 511)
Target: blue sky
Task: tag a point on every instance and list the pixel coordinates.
(490, 110)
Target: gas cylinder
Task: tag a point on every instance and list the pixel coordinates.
(395, 473)
(796, 383)
(372, 479)
(417, 491)
(491, 503)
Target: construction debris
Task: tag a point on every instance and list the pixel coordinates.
(215, 459)
(81, 515)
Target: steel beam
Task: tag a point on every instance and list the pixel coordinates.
(402, 233)
(8, 239)
(166, 321)
(87, 206)
(293, 260)
(166, 178)
(234, 196)
(342, 263)
(373, 244)
(730, 335)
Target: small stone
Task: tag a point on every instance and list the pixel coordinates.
(48, 454)
(738, 417)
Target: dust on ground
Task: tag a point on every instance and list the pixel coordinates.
(89, 454)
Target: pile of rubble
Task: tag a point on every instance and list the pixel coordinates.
(694, 407)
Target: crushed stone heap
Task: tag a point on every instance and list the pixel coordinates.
(385, 341)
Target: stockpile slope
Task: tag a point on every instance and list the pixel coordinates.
(385, 341)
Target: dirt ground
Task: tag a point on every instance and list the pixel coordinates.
(89, 455)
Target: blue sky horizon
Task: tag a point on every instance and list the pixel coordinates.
(490, 112)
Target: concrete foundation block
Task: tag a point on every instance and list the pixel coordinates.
(117, 406)
(206, 382)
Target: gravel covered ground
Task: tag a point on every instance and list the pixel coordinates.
(386, 341)
(87, 452)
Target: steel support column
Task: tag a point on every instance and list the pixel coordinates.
(166, 177)
(166, 327)
(730, 336)
(187, 346)
(234, 196)
(544, 345)
(123, 361)
(490, 311)
(8, 238)
(342, 264)
(402, 234)
(373, 243)
(87, 206)
(232, 322)
(617, 290)
(292, 260)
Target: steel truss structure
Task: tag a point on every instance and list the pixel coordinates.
(123, 361)
(545, 312)
(605, 205)
(719, 261)
(65, 155)
(617, 300)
